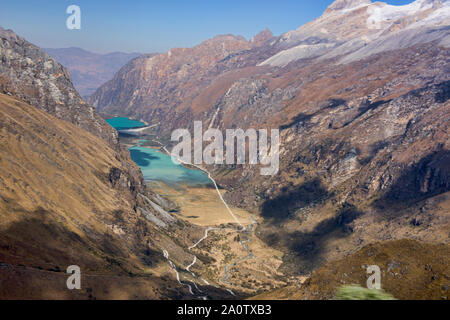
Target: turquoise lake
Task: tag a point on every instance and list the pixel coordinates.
(122, 123)
(156, 165)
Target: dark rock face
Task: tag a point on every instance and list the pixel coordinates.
(114, 175)
(31, 75)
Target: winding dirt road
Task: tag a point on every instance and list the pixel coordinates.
(248, 230)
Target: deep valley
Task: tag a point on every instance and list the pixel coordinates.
(360, 98)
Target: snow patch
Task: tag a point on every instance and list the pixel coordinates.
(382, 13)
(283, 58)
(441, 15)
(354, 8)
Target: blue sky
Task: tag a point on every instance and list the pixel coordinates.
(154, 26)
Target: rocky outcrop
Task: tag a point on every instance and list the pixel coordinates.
(261, 38)
(31, 75)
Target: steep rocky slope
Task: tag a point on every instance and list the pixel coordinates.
(90, 70)
(61, 205)
(353, 30)
(361, 98)
(31, 75)
(70, 195)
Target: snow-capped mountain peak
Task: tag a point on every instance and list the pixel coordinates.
(381, 13)
(355, 29)
(339, 5)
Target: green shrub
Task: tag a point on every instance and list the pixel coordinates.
(355, 292)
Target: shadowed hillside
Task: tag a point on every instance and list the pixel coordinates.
(409, 270)
(59, 207)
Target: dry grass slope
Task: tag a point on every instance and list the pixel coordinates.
(59, 207)
(409, 270)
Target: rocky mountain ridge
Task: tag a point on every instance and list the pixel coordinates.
(34, 77)
(71, 195)
(339, 36)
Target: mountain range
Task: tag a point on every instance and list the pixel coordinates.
(71, 195)
(90, 70)
(360, 95)
(361, 98)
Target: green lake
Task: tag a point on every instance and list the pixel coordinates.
(156, 165)
(122, 123)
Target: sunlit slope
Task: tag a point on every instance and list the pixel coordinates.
(59, 206)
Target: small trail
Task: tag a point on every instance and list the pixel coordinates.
(193, 262)
(174, 268)
(196, 286)
(193, 274)
(204, 237)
